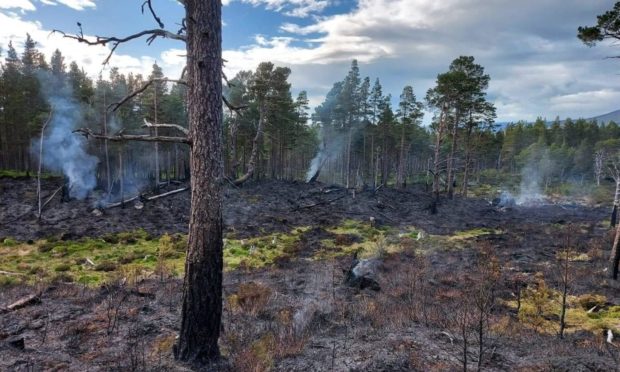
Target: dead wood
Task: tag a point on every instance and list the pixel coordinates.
(86, 132)
(21, 303)
(123, 202)
(167, 193)
(181, 129)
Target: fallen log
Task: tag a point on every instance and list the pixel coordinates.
(118, 204)
(21, 303)
(167, 193)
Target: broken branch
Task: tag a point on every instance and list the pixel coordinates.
(174, 126)
(23, 302)
(86, 132)
(116, 41)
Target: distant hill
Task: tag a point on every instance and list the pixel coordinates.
(606, 118)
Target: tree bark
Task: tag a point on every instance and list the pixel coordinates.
(436, 162)
(614, 257)
(202, 288)
(450, 165)
(467, 160)
(400, 179)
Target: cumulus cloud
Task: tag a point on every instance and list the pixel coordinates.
(90, 58)
(292, 8)
(73, 4)
(537, 65)
(528, 47)
(23, 5)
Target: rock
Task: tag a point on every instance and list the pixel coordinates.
(362, 274)
(97, 212)
(17, 342)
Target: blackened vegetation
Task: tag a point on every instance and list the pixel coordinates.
(434, 311)
(270, 206)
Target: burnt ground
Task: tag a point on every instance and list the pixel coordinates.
(266, 207)
(298, 315)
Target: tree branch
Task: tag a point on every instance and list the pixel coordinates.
(86, 132)
(116, 41)
(173, 126)
(157, 19)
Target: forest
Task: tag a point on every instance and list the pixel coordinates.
(224, 223)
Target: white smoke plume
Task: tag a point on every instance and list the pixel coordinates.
(64, 150)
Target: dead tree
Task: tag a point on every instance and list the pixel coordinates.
(599, 161)
(202, 290)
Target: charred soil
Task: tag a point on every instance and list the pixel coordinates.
(298, 315)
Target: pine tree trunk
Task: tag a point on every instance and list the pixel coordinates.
(467, 162)
(156, 143)
(450, 176)
(614, 257)
(202, 288)
(438, 142)
(400, 180)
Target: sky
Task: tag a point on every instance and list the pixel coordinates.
(529, 48)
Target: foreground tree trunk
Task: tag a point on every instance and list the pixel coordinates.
(614, 257)
(202, 288)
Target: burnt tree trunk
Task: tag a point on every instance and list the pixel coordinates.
(614, 257)
(202, 287)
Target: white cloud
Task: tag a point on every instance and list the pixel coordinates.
(90, 58)
(74, 4)
(23, 5)
(292, 8)
(530, 59)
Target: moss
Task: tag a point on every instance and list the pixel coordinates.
(473, 233)
(541, 308)
(9, 242)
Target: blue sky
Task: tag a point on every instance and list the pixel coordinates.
(537, 65)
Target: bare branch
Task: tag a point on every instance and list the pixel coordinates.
(157, 19)
(86, 132)
(131, 95)
(116, 41)
(173, 126)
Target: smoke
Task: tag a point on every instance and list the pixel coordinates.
(530, 191)
(64, 150)
(329, 148)
(315, 164)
